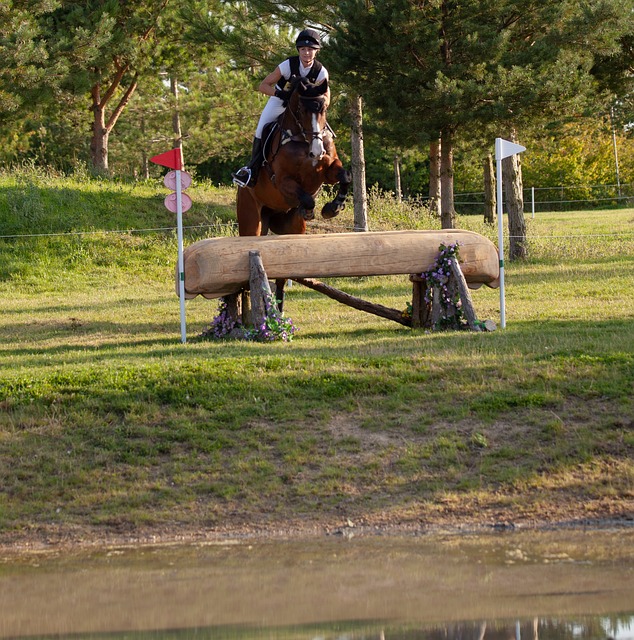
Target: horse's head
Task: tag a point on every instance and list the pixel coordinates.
(308, 105)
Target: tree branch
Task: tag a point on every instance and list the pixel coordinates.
(122, 103)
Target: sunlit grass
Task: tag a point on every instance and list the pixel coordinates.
(107, 419)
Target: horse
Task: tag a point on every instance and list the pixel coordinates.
(300, 156)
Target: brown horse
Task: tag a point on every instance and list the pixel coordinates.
(300, 156)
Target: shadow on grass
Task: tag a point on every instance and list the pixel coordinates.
(101, 340)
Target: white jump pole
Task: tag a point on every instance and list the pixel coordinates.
(503, 149)
(181, 265)
(177, 180)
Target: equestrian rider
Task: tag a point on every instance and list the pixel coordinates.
(275, 85)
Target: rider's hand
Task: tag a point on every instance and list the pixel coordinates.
(282, 95)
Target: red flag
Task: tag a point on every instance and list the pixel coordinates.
(172, 159)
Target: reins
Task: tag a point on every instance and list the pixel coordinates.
(306, 135)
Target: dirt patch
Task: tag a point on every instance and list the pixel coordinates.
(450, 516)
(391, 480)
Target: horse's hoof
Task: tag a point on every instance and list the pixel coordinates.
(308, 215)
(330, 211)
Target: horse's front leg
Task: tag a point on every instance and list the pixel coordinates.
(297, 198)
(306, 205)
(336, 173)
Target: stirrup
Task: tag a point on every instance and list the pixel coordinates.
(242, 182)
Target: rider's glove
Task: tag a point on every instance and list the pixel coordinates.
(282, 95)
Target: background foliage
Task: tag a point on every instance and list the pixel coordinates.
(559, 69)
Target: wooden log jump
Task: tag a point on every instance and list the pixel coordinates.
(216, 267)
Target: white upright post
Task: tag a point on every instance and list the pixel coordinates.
(181, 267)
(503, 149)
(177, 181)
(498, 182)
(533, 201)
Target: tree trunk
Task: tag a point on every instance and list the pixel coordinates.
(513, 191)
(100, 134)
(261, 295)
(360, 197)
(101, 127)
(434, 177)
(447, 211)
(490, 196)
(145, 164)
(465, 296)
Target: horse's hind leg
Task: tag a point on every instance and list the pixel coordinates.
(283, 224)
(279, 293)
(249, 213)
(335, 206)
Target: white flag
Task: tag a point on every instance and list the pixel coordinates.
(504, 148)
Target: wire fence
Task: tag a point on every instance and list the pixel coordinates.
(536, 199)
(562, 198)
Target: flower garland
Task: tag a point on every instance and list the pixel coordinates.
(223, 324)
(274, 327)
(439, 278)
(440, 283)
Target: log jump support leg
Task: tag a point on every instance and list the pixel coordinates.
(261, 295)
(420, 308)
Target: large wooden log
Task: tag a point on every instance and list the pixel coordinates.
(219, 266)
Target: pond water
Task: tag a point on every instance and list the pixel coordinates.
(559, 585)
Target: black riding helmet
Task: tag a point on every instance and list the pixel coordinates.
(308, 38)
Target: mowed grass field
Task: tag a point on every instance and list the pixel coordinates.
(110, 426)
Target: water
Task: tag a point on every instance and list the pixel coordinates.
(506, 586)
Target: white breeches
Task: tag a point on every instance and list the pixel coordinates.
(273, 109)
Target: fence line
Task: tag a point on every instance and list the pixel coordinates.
(617, 234)
(475, 206)
(560, 198)
(214, 225)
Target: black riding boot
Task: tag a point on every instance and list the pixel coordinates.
(247, 176)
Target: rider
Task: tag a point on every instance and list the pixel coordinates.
(274, 85)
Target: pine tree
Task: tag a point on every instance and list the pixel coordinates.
(96, 49)
(447, 67)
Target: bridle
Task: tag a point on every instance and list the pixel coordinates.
(292, 130)
(306, 135)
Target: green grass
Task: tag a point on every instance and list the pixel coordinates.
(107, 420)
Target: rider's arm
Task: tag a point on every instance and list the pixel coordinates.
(326, 78)
(267, 86)
(327, 96)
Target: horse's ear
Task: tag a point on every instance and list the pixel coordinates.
(297, 82)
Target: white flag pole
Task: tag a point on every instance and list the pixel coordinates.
(498, 171)
(181, 267)
(503, 149)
